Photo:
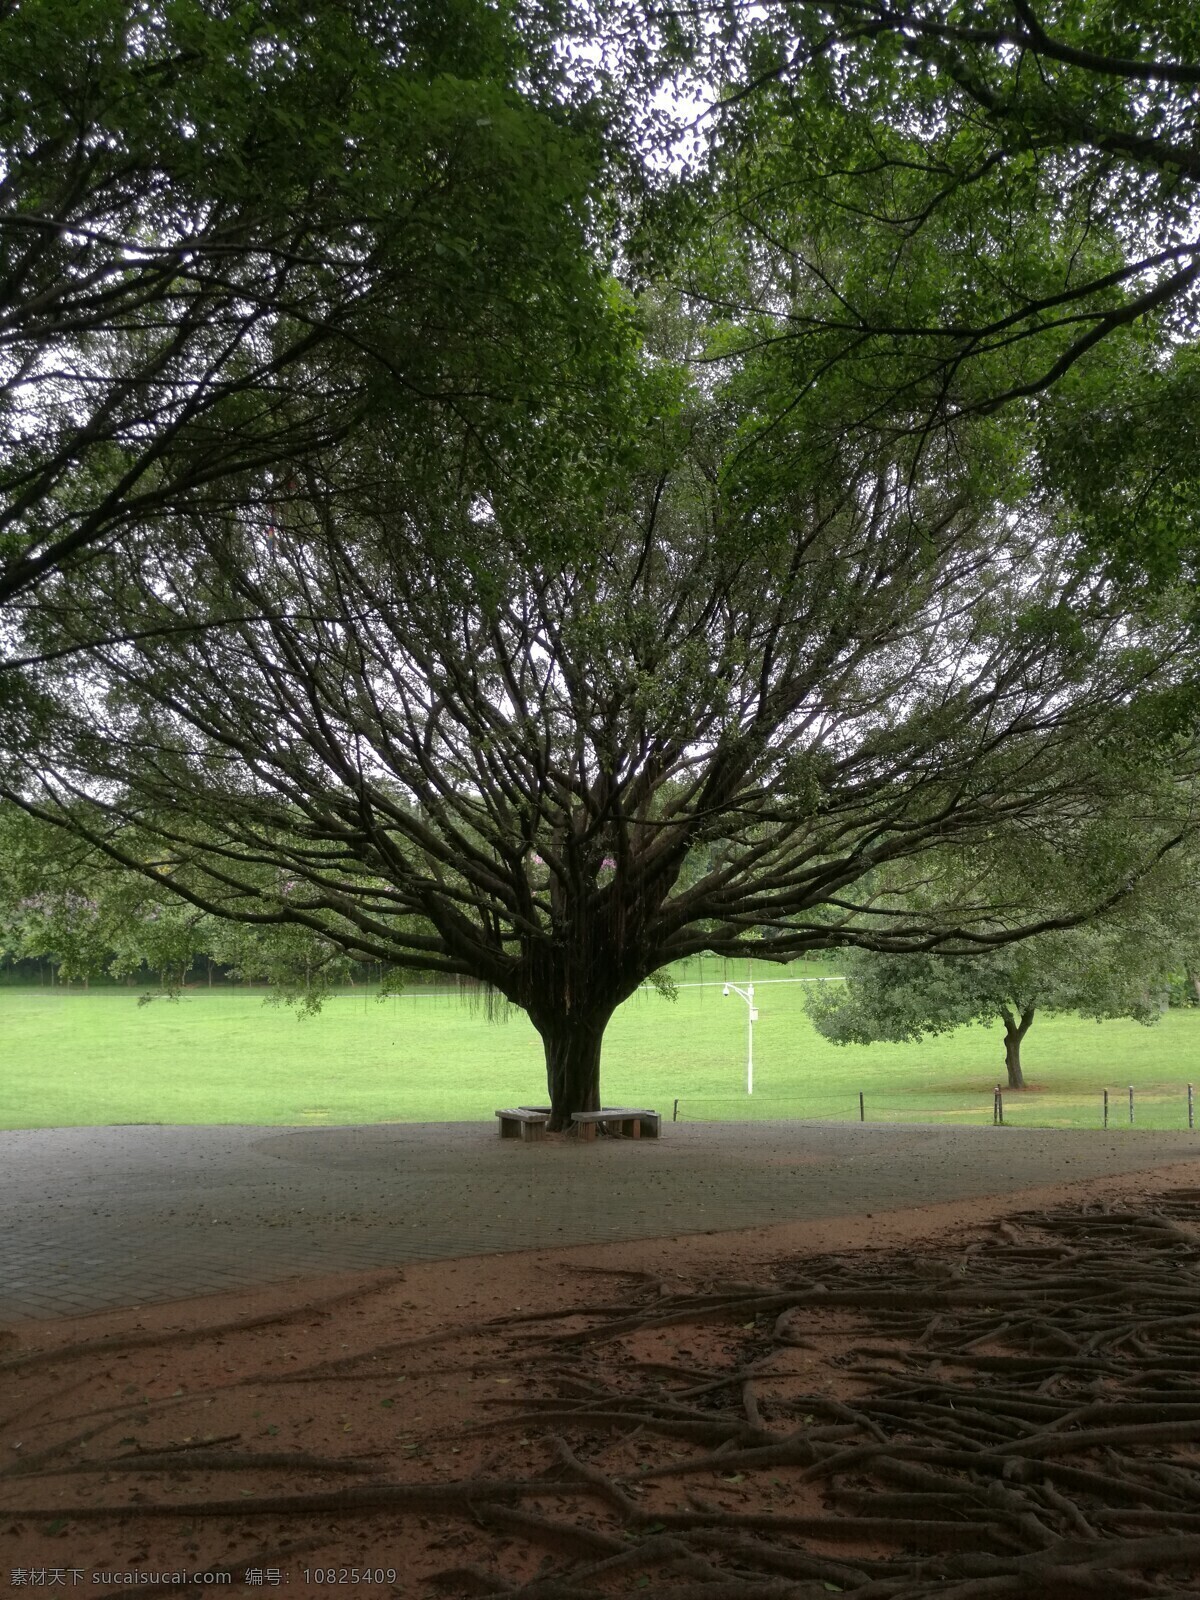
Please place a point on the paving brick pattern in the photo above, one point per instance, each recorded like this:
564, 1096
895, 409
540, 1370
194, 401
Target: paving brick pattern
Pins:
98, 1217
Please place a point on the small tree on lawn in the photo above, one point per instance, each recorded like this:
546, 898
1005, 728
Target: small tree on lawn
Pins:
1100, 972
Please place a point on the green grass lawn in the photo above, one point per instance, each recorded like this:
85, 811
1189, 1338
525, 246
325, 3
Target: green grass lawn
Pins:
221, 1055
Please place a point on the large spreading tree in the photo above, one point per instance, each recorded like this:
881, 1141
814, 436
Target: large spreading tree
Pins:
581, 634
452, 731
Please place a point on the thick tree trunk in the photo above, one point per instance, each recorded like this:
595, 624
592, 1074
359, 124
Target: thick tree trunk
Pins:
1015, 1029
573, 1068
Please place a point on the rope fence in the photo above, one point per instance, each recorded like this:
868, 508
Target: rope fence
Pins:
1158, 1109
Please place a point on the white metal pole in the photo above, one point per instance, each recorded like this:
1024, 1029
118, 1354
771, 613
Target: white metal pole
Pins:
746, 994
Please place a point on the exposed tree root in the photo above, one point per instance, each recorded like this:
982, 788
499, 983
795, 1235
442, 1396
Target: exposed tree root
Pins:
60, 1355
1014, 1420
202, 1460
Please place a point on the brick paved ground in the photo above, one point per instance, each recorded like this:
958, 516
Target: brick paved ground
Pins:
96, 1217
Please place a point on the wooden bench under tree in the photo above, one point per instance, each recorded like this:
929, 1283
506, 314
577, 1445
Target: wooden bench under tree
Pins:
623, 1120
524, 1122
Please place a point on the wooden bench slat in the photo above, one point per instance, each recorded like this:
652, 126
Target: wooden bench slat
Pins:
611, 1114
633, 1121
520, 1122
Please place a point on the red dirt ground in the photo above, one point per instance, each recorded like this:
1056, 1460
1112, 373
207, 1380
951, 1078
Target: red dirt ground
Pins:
324, 1387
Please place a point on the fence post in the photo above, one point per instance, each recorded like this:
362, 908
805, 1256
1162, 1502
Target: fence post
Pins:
1106, 1108
675, 1112
1191, 1117
1131, 1105
862, 1110
998, 1107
